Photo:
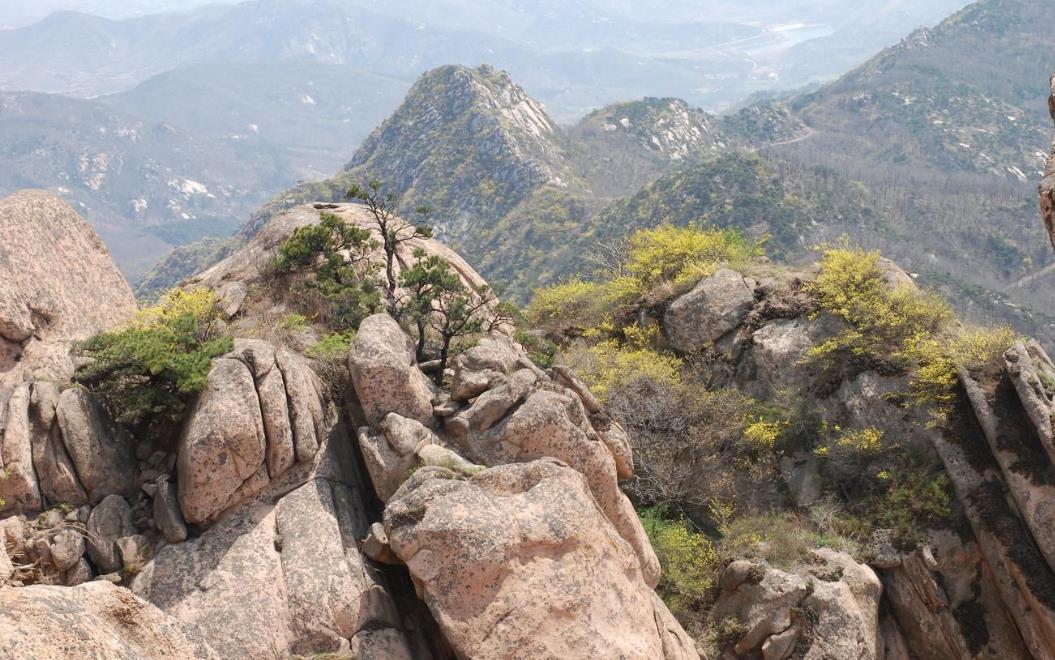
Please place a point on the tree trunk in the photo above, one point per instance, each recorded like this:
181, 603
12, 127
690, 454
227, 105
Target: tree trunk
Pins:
444, 353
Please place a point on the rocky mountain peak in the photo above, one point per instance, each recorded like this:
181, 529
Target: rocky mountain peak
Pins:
668, 126
469, 141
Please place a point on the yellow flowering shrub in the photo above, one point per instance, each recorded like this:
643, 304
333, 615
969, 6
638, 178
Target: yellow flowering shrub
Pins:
886, 323
689, 561
610, 365
573, 303
677, 256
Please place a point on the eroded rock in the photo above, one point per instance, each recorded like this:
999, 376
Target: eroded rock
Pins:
223, 443
715, 307
499, 560
385, 375
93, 620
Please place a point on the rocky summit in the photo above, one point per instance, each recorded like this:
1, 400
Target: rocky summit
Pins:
658, 385
388, 518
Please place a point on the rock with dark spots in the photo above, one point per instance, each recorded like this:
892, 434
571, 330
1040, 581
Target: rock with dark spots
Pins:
477, 368
494, 352
223, 442
567, 378
550, 424
714, 308
66, 549
307, 413
19, 488
292, 568
385, 375
135, 551
1014, 444
93, 620
109, 521
828, 606
260, 357
1032, 395
376, 547
102, 453
500, 558
945, 604
391, 455
167, 514
56, 473
618, 443
58, 285
466, 385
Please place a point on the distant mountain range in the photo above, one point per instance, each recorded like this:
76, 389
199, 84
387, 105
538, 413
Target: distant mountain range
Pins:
525, 199
573, 55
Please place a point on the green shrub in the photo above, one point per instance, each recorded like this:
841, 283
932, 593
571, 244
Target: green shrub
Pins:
679, 431
150, 370
573, 304
978, 350
331, 359
887, 324
336, 257
609, 365
334, 346
293, 321
689, 561
915, 499
542, 351
677, 256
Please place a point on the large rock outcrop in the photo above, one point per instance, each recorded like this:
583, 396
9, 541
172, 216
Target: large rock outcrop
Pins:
289, 560
497, 500
95, 620
826, 608
57, 285
261, 413
503, 557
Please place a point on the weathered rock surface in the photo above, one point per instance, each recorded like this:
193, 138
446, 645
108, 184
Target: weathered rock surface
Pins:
19, 488
261, 413
501, 559
94, 620
385, 374
828, 608
109, 521
715, 307
57, 285
223, 444
167, 514
102, 454
289, 560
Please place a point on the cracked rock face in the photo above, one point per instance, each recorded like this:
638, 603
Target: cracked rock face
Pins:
715, 307
503, 558
262, 412
286, 573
